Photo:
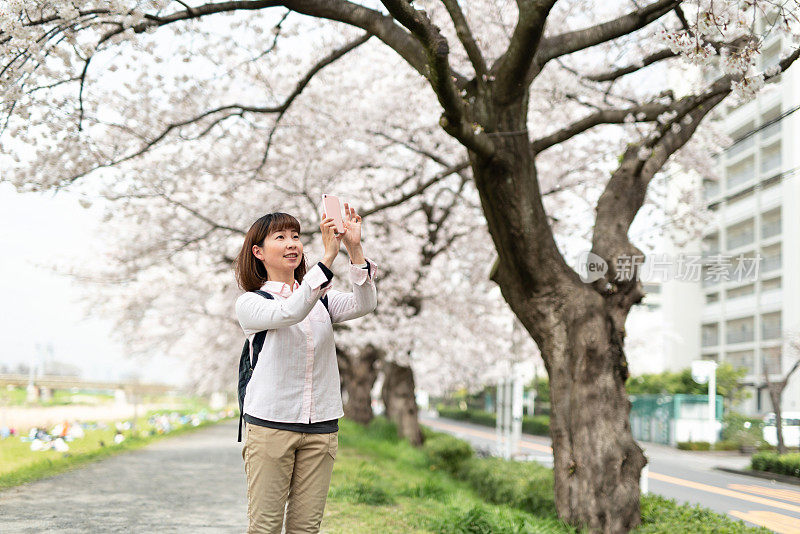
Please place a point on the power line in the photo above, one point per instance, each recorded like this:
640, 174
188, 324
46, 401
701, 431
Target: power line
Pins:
767, 124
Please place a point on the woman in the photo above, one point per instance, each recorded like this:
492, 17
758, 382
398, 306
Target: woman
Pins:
293, 400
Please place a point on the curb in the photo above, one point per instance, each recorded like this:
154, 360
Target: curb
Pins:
774, 477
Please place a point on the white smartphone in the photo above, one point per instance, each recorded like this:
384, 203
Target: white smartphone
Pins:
331, 208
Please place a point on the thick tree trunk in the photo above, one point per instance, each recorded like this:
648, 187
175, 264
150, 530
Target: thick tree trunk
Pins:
579, 331
358, 373
400, 401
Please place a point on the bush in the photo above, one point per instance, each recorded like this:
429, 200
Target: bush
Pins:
665, 516
447, 453
741, 430
727, 445
531, 424
694, 445
524, 485
786, 464
536, 424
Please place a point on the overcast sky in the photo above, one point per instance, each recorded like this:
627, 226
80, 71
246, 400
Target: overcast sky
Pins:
38, 306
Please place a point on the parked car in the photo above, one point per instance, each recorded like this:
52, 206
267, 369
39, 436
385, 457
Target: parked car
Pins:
790, 423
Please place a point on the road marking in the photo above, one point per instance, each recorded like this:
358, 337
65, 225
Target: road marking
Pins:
772, 520
775, 493
725, 492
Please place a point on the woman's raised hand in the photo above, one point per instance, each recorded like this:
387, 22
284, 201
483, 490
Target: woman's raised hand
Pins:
330, 240
352, 227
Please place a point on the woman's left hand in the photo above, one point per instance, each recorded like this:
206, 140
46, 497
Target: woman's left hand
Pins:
352, 224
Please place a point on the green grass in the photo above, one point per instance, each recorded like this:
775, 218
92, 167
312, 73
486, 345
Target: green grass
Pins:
19, 464
60, 397
384, 484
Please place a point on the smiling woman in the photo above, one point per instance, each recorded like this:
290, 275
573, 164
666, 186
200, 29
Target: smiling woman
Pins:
292, 398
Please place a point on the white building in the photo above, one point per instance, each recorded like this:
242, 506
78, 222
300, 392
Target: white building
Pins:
748, 320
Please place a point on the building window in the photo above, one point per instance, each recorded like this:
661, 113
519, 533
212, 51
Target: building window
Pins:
771, 158
773, 284
711, 188
741, 359
774, 128
771, 258
740, 234
771, 223
772, 360
711, 298
710, 335
769, 57
739, 330
771, 325
741, 172
711, 244
741, 142
741, 291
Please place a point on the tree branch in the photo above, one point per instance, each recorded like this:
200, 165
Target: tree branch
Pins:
511, 70
625, 191
372, 21
644, 113
454, 119
239, 110
622, 71
466, 38
324, 62
458, 167
569, 42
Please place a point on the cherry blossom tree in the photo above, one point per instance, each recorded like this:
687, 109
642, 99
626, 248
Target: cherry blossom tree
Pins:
520, 94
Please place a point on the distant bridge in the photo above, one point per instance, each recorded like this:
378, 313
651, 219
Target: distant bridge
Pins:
69, 382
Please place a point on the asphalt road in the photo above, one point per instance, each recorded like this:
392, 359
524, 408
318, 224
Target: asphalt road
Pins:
193, 482
686, 476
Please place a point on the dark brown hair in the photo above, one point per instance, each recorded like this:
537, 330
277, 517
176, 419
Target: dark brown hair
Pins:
250, 271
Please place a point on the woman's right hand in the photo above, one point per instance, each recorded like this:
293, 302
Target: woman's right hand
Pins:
330, 240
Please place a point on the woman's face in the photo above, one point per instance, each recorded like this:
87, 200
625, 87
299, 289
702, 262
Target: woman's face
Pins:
277, 251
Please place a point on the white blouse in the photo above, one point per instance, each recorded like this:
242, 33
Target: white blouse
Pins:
296, 379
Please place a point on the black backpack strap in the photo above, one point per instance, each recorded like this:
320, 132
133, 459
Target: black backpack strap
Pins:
258, 343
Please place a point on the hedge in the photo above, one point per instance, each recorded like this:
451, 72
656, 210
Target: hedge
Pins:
694, 445
785, 464
531, 424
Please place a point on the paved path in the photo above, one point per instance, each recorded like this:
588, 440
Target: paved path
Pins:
194, 482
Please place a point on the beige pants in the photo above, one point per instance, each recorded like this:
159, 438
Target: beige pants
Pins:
281, 465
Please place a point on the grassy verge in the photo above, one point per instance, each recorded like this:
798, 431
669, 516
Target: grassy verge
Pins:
384, 484
19, 464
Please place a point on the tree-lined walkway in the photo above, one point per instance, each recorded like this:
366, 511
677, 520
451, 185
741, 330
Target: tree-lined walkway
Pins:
194, 482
